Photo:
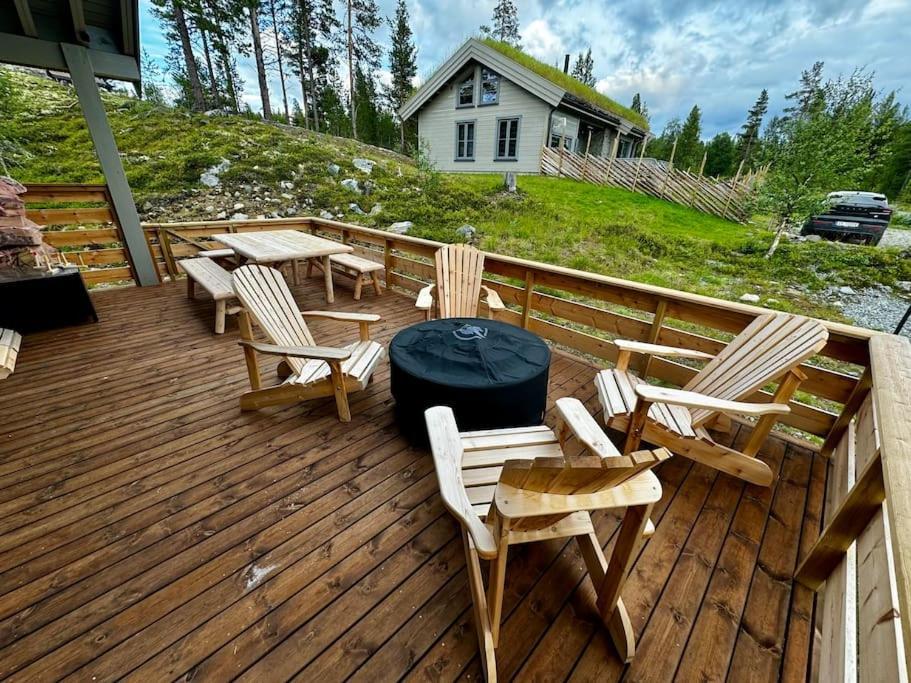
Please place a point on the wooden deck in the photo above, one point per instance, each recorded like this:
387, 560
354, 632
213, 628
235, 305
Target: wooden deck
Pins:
151, 531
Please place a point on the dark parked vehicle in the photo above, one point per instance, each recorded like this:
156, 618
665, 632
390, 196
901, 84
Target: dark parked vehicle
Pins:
852, 216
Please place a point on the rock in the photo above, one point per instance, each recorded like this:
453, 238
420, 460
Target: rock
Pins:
239, 217
210, 177
221, 215
210, 208
376, 209
287, 196
401, 227
771, 302
466, 232
845, 290
325, 214
286, 185
904, 284
367, 188
750, 298
238, 206
333, 169
813, 238
351, 185
357, 209
364, 165
147, 206
838, 304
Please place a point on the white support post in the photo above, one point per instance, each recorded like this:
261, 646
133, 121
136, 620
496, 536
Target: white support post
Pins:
79, 65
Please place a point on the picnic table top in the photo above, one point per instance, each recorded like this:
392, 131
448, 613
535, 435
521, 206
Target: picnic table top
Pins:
268, 246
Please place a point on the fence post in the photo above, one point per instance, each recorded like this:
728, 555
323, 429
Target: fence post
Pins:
529, 291
639, 165
698, 182
588, 144
670, 169
727, 202
610, 161
560, 165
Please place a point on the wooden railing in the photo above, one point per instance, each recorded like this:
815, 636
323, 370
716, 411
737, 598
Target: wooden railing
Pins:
864, 553
575, 309
97, 245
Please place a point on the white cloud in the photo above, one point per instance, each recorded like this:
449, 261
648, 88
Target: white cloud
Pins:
540, 41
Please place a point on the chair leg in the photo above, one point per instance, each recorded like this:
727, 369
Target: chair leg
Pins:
341, 393
481, 614
496, 585
221, 308
375, 276
621, 562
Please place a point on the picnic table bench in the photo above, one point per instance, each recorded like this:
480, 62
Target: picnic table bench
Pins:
362, 270
216, 281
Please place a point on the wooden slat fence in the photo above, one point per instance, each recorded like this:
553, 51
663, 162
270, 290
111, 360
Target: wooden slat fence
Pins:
727, 198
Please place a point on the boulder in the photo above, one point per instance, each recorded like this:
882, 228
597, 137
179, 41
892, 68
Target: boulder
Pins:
286, 185
326, 215
351, 185
239, 217
376, 209
466, 232
750, 298
221, 215
813, 238
845, 290
238, 206
210, 177
333, 169
363, 165
401, 227
357, 209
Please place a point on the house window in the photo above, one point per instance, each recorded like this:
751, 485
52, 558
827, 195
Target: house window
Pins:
465, 141
490, 87
567, 141
465, 97
507, 139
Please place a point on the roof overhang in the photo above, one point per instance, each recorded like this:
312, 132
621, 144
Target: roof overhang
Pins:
31, 32
475, 50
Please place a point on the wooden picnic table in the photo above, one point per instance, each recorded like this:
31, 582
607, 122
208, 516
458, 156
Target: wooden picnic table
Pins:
281, 246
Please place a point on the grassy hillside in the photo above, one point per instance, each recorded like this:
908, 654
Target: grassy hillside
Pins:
593, 228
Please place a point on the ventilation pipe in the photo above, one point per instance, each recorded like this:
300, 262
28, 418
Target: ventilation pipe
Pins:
566, 64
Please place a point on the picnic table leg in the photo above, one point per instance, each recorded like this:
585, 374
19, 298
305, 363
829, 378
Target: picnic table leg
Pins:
327, 272
295, 271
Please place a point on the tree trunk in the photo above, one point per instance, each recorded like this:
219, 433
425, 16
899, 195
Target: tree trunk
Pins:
301, 70
313, 101
351, 106
188, 58
260, 64
213, 84
781, 228
278, 55
229, 76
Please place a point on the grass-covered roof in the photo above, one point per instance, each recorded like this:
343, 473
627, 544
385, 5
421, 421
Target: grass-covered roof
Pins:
567, 82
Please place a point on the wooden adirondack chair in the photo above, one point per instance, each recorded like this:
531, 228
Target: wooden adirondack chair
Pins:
309, 371
460, 268
770, 349
509, 486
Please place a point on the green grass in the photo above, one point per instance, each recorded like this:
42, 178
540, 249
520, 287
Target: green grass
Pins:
567, 82
588, 227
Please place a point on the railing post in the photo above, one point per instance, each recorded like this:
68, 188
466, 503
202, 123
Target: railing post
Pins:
164, 241
387, 261
529, 291
653, 335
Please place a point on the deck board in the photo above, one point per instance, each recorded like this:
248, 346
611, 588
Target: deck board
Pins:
149, 530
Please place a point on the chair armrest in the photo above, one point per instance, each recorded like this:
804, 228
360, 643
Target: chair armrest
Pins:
424, 301
691, 399
659, 350
345, 317
326, 353
574, 417
494, 302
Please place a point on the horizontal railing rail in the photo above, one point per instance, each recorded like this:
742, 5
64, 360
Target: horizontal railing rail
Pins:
576, 309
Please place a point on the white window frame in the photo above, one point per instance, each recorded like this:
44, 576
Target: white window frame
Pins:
458, 94
496, 78
496, 138
474, 140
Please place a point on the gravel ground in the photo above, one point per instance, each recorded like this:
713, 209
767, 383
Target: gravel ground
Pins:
896, 238
876, 308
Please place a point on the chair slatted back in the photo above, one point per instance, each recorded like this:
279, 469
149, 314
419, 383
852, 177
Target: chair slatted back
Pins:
460, 268
767, 348
266, 297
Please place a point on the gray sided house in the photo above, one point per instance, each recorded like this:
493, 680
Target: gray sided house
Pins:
482, 111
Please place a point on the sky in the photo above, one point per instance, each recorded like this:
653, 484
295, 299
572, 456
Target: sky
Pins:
675, 53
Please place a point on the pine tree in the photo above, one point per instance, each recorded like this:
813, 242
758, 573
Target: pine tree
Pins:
313, 25
152, 90
172, 15
362, 18
276, 15
689, 145
505, 24
584, 67
253, 10
810, 93
639, 106
402, 62
749, 131
720, 155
